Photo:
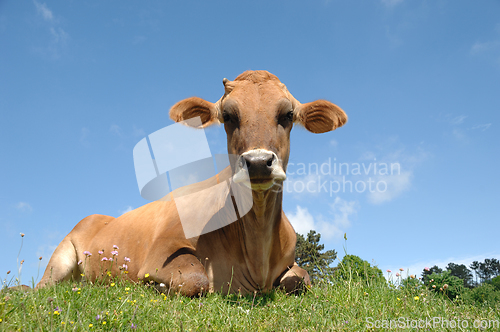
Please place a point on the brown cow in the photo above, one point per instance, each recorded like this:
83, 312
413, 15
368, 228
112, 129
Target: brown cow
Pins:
255, 253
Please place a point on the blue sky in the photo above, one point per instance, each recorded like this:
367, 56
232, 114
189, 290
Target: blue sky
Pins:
82, 83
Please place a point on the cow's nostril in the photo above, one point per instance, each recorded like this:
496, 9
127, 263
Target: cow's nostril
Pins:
270, 161
259, 163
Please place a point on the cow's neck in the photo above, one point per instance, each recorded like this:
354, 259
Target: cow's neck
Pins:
259, 229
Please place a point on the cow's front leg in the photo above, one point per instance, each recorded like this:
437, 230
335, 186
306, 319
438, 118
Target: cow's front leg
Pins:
294, 279
181, 273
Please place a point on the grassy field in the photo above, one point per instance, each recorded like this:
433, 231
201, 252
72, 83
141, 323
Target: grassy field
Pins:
332, 305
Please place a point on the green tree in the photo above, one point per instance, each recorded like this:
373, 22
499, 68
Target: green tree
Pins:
354, 267
446, 284
490, 268
309, 255
461, 271
483, 294
426, 273
496, 283
474, 266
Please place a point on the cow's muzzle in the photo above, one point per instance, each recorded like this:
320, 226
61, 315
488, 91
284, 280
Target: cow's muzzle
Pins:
262, 167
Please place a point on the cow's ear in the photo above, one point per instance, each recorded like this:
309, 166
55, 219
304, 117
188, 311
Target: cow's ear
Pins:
195, 107
320, 116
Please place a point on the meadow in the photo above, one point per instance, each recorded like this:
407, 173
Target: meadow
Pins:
331, 304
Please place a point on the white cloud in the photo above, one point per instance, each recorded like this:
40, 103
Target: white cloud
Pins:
368, 155
479, 48
128, 209
379, 174
391, 186
302, 221
45, 12
394, 170
482, 127
458, 126
59, 36
23, 206
115, 129
489, 50
458, 119
341, 210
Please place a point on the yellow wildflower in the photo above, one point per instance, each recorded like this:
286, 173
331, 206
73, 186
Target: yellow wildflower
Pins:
416, 298
112, 284
146, 275
90, 325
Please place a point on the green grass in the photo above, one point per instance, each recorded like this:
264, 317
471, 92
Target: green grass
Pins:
329, 306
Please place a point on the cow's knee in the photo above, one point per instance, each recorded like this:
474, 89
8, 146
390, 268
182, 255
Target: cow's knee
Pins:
185, 275
192, 284
295, 280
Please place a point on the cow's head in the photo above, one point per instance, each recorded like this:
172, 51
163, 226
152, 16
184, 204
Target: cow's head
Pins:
258, 113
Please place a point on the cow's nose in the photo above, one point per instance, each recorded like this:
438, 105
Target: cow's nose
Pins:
259, 163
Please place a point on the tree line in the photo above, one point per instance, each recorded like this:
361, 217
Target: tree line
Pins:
309, 255
484, 272
456, 281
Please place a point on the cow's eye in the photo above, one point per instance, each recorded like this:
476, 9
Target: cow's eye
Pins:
227, 117
286, 119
